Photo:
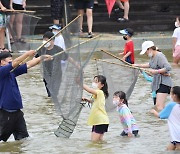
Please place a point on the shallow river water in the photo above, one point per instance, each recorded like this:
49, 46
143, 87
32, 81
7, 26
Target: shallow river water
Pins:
42, 120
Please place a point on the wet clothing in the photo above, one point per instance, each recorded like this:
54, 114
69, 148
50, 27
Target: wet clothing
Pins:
159, 61
11, 117
98, 113
172, 113
129, 47
126, 118
12, 123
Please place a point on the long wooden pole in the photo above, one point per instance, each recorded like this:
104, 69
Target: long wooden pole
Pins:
128, 64
18, 11
124, 65
59, 53
49, 40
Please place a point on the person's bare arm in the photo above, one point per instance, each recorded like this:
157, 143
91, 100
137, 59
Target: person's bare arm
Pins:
2, 7
141, 65
16, 62
156, 114
90, 90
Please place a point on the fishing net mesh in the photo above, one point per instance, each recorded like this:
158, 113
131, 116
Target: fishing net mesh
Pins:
120, 77
19, 39
66, 86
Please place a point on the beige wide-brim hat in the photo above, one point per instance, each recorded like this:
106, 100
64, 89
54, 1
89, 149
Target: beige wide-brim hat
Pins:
145, 46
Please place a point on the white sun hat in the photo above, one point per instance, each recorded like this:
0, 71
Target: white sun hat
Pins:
145, 46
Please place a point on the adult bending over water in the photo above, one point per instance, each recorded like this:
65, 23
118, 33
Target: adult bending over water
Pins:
160, 68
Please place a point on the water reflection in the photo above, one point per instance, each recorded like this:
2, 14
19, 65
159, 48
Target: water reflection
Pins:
42, 121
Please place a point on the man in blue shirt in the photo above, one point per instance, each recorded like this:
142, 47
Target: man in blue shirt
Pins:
11, 116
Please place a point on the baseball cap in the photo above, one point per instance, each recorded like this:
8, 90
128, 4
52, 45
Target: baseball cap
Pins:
4, 55
56, 26
145, 46
127, 31
48, 35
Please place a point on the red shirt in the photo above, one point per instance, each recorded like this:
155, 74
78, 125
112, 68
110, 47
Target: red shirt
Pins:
129, 47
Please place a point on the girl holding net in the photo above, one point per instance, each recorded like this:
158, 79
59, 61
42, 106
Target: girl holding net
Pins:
98, 117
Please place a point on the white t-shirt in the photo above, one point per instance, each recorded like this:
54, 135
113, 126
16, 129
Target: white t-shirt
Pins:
59, 41
176, 34
172, 113
18, 2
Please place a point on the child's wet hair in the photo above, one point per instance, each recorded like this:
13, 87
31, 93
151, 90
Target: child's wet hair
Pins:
121, 95
176, 91
102, 79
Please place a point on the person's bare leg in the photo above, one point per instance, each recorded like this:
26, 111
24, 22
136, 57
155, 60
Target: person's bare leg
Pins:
160, 100
2, 37
12, 17
18, 20
101, 137
81, 12
176, 60
89, 13
177, 146
95, 137
126, 10
55, 21
171, 147
120, 4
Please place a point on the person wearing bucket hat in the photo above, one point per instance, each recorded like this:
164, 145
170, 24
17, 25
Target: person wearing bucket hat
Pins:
128, 54
11, 117
59, 40
160, 69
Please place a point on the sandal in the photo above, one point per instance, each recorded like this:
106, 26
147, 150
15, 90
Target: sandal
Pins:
5, 50
123, 19
21, 40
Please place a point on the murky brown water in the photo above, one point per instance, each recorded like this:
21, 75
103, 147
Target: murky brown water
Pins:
42, 121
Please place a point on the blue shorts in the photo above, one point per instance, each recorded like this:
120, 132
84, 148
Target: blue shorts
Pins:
84, 4
100, 129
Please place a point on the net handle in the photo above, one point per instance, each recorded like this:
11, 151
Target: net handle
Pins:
42, 45
76, 45
128, 64
18, 11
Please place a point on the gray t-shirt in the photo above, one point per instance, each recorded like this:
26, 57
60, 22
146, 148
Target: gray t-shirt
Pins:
159, 61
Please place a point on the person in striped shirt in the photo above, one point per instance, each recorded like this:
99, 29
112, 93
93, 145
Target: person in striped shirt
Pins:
126, 118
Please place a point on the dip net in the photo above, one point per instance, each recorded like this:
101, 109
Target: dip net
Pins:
20, 29
120, 76
66, 86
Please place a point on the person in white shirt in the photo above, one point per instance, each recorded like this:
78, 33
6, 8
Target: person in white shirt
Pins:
59, 41
176, 42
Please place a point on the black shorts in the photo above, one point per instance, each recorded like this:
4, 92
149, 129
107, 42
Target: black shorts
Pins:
12, 123
164, 89
17, 7
100, 129
84, 4
135, 132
